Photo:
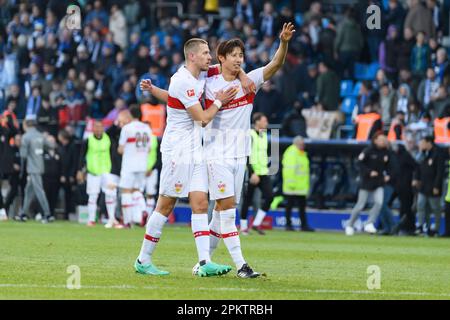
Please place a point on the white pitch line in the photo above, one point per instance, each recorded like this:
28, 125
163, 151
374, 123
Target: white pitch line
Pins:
318, 291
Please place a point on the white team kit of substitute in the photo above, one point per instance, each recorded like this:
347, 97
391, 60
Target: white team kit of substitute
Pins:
136, 139
227, 141
183, 166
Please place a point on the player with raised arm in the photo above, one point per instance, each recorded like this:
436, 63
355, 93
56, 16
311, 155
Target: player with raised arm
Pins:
227, 141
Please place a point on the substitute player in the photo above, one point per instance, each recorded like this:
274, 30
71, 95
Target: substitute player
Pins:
183, 170
228, 142
96, 160
134, 145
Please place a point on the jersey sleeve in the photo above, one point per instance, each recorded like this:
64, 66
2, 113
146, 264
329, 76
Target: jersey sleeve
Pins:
123, 137
186, 93
257, 76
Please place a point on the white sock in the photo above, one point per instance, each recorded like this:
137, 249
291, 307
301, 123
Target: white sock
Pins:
214, 232
230, 236
127, 207
152, 235
92, 207
200, 229
139, 206
244, 224
259, 218
111, 204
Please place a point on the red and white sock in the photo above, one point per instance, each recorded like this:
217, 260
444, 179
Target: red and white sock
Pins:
127, 207
200, 229
92, 207
259, 218
214, 232
111, 204
153, 231
230, 236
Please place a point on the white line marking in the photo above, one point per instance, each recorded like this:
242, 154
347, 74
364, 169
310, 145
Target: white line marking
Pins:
319, 291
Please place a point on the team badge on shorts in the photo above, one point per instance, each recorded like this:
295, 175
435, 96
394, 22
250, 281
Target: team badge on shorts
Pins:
221, 187
178, 187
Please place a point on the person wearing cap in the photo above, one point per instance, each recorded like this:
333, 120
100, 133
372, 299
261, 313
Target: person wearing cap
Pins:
32, 149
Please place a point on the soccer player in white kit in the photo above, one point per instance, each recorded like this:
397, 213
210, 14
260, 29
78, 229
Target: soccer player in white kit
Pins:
183, 170
228, 143
134, 145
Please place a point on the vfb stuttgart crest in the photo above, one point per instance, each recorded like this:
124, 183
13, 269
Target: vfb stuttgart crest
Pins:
222, 187
178, 187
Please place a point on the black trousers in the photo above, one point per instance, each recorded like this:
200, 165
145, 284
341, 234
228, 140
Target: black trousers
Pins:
69, 202
291, 202
15, 183
407, 216
51, 188
447, 219
266, 188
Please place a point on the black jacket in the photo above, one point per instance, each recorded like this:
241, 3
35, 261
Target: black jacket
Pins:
6, 151
69, 160
430, 171
406, 166
48, 119
116, 159
374, 159
52, 164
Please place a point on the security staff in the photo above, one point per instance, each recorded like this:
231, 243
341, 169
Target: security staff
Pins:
447, 206
258, 169
442, 130
296, 181
374, 163
428, 180
397, 128
367, 124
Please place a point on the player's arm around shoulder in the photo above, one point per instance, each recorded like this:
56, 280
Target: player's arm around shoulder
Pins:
280, 56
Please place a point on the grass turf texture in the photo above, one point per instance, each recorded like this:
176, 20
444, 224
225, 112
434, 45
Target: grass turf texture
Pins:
34, 260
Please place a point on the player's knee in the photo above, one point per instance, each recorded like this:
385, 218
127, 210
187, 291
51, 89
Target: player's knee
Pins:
93, 198
200, 207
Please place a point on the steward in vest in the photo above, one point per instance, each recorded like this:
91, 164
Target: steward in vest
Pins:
96, 160
367, 124
258, 169
442, 130
396, 131
296, 186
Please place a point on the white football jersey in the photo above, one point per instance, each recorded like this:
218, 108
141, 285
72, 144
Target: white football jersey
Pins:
182, 135
227, 136
136, 139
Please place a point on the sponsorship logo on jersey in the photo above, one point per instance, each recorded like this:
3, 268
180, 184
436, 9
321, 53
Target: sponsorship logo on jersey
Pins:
178, 187
191, 93
222, 186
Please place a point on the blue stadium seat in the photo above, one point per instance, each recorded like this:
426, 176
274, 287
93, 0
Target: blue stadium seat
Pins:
348, 105
360, 70
356, 89
346, 88
366, 71
372, 70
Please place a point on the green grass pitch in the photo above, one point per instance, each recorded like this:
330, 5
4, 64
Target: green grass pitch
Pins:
34, 259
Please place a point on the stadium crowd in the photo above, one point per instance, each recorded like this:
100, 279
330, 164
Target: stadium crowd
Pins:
65, 78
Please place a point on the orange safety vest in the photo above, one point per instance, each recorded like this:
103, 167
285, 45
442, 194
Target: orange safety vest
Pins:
4, 123
155, 115
365, 123
391, 135
441, 131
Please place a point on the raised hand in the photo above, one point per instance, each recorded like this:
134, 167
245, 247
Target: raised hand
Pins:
146, 85
287, 32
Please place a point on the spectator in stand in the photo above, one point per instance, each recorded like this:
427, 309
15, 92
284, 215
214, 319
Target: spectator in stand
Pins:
420, 56
440, 103
441, 63
419, 19
387, 103
48, 118
403, 98
395, 14
348, 43
294, 123
268, 24
34, 102
388, 52
428, 89
403, 61
269, 101
118, 26
414, 111
327, 87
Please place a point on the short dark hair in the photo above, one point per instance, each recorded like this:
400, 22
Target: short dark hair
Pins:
429, 139
227, 47
64, 134
257, 116
135, 111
